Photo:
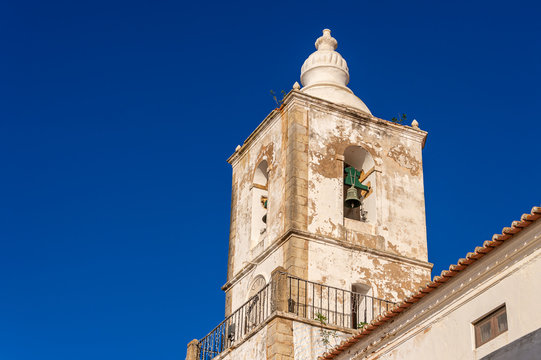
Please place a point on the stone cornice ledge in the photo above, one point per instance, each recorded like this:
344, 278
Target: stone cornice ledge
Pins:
309, 100
259, 130
322, 239
339, 242
359, 116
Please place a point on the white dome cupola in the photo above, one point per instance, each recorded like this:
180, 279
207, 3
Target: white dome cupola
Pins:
325, 74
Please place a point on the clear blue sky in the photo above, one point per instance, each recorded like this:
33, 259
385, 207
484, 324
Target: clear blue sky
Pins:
113, 245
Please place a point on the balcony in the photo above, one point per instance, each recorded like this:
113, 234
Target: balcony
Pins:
328, 305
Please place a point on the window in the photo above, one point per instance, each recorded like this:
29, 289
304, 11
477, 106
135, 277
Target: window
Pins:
361, 305
490, 326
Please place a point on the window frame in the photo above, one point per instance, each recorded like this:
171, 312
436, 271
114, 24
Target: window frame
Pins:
491, 318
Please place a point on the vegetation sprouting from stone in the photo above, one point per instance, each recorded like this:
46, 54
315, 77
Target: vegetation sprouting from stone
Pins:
400, 119
278, 102
326, 335
361, 325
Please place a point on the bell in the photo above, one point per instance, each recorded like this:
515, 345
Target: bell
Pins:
352, 199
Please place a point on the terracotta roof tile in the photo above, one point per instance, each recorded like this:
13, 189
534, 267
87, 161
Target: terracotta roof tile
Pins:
404, 305
448, 273
483, 249
490, 243
464, 262
500, 237
511, 230
474, 255
480, 251
521, 224
457, 267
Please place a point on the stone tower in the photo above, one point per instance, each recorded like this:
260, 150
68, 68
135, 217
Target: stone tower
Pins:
289, 216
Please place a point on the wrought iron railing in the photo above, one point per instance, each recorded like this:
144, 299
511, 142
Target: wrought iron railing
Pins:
326, 304
331, 305
237, 325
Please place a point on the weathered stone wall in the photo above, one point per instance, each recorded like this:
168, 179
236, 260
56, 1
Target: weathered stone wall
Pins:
265, 144
296, 190
282, 140
265, 268
398, 188
280, 339
267, 147
391, 279
285, 339
253, 348
311, 341
304, 144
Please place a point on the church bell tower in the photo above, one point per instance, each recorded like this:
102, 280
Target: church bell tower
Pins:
331, 198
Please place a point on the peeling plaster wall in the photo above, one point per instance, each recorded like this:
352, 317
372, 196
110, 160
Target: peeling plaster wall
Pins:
241, 288
341, 267
253, 349
442, 322
398, 185
267, 147
397, 200
243, 248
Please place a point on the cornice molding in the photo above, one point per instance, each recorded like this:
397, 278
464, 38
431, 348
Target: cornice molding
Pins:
321, 239
357, 116
296, 97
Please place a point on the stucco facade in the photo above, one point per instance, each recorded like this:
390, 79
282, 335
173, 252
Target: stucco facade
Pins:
387, 252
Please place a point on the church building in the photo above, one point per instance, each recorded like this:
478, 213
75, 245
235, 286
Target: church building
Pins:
328, 247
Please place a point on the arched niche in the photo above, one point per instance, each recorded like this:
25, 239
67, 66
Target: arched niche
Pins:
256, 285
361, 160
256, 301
259, 195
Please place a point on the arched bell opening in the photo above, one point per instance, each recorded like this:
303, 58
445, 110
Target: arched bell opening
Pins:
359, 181
260, 196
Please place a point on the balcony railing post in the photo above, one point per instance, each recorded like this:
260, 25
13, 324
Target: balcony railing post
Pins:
193, 350
279, 295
